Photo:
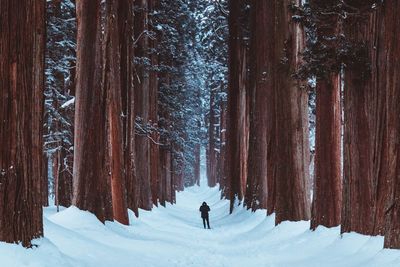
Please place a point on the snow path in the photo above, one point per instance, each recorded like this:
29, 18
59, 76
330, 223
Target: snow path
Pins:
174, 236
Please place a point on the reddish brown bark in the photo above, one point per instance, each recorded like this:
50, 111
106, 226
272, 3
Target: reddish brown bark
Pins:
153, 112
327, 191
64, 196
392, 63
127, 72
292, 145
92, 189
22, 43
211, 153
142, 103
365, 184
237, 123
261, 89
115, 36
327, 179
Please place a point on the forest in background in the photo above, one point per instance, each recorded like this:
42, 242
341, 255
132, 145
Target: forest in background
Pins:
106, 105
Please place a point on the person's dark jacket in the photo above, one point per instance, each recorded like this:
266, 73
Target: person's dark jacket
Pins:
204, 209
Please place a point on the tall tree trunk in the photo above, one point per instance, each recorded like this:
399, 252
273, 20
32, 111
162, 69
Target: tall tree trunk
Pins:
392, 63
126, 33
327, 191
142, 104
22, 43
261, 90
292, 151
113, 88
365, 186
211, 162
92, 189
153, 105
237, 126
327, 179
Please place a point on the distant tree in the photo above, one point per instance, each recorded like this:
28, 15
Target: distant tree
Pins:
59, 99
22, 46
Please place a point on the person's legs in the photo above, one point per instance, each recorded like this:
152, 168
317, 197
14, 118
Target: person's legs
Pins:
208, 223
204, 222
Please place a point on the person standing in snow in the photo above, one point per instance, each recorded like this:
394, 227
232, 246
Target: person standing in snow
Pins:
204, 209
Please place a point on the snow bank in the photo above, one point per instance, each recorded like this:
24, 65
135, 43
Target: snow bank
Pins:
173, 236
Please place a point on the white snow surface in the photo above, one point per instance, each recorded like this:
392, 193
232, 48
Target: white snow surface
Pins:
174, 236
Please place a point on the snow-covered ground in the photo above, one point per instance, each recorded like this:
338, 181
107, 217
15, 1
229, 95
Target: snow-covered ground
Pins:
174, 236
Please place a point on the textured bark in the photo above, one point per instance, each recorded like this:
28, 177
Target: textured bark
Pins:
153, 112
292, 151
261, 89
22, 43
211, 153
327, 179
91, 185
222, 155
64, 196
365, 182
127, 72
327, 191
113, 87
392, 63
237, 126
44, 187
142, 105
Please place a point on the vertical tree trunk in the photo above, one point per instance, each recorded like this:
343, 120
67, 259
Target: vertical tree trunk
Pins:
392, 63
92, 189
22, 43
237, 127
126, 33
365, 186
196, 164
113, 88
327, 191
261, 90
211, 162
292, 151
153, 112
327, 180
64, 179
142, 104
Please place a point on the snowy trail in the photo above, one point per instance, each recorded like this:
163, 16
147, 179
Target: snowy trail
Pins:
174, 236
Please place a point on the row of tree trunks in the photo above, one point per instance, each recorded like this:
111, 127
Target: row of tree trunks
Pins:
237, 119
365, 185
22, 43
126, 30
278, 155
327, 191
